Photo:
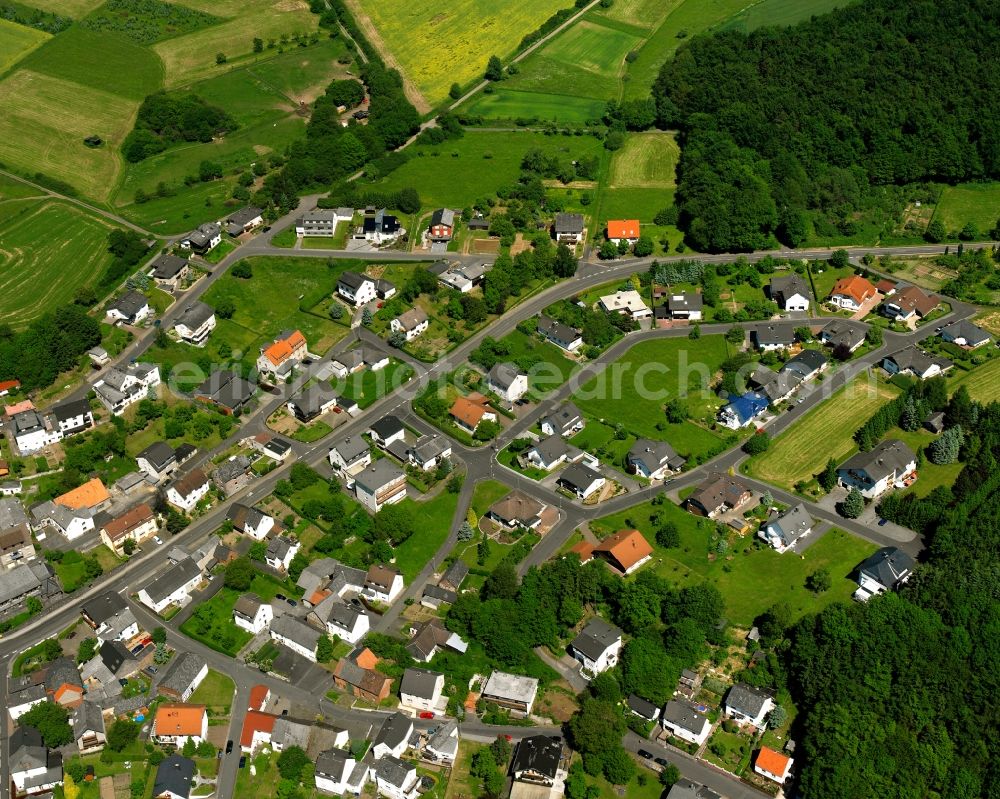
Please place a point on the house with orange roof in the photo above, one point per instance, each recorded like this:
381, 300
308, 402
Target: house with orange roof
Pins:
851, 292
773, 765
72, 514
626, 550
620, 230
6, 386
259, 695
282, 355
92, 495
175, 724
584, 550
469, 411
19, 407
257, 730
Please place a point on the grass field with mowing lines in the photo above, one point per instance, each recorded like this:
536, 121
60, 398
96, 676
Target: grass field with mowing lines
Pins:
46, 121
483, 162
780, 12
641, 204
643, 13
969, 202
76, 9
794, 455
440, 44
11, 189
47, 251
646, 161
983, 382
511, 104
16, 41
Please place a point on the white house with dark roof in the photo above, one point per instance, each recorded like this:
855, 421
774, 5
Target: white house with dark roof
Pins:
428, 451
507, 381
421, 690
965, 334
773, 336
396, 779
158, 461
411, 323
536, 764
195, 323
580, 479
171, 587
566, 421
843, 333
783, 531
169, 271
383, 583
393, 737
355, 288
294, 633
188, 490
250, 521
682, 719
337, 772
653, 460
322, 221
183, 676
563, 336
131, 308
442, 744
72, 417
597, 646
204, 238
244, 220
119, 388
685, 305
747, 704
915, 363
884, 570
349, 456
791, 293
280, 551
344, 620
380, 484
88, 728
31, 432
568, 228
252, 614
34, 769
888, 465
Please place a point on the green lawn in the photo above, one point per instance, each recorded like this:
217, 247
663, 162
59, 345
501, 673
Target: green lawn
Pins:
508, 103
600, 439
16, 41
633, 390
969, 202
646, 160
486, 493
434, 521
823, 280
547, 367
219, 632
367, 386
633, 203
983, 382
751, 579
216, 691
795, 456
929, 475
314, 431
780, 13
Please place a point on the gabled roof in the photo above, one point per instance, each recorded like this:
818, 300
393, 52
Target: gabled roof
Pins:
166, 267
538, 753
626, 547
387, 426
128, 521
841, 332
788, 286
174, 775
295, 630
281, 349
553, 329
717, 489
420, 683
686, 789
855, 287
643, 707
178, 719
232, 468
964, 329
354, 280
792, 524
88, 718
806, 362
244, 516
351, 448
684, 715
247, 605
71, 409
469, 412
226, 388
104, 607
517, 507
380, 473
182, 672
747, 406
190, 482
888, 566
623, 228
747, 699
412, 318
195, 315
569, 223
596, 638
395, 730
130, 303
914, 299
655, 454
579, 475
443, 216
917, 361
394, 771
381, 576
256, 721
159, 455
89, 495
888, 457
504, 374
772, 762
552, 448
776, 333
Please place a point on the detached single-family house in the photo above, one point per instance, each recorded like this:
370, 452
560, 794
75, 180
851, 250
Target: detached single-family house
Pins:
841, 333
381, 227
455, 575
88, 728
349, 456
172, 587
563, 336
72, 417
514, 692
227, 391
686, 305
252, 614
169, 271
909, 303
175, 725
131, 308
34, 769
157, 461
383, 583
110, 617
183, 676
626, 551
120, 388
515, 510
884, 570
507, 381
620, 230
806, 365
773, 765
277, 449
469, 412
283, 354
549, 453
250, 521
536, 762
233, 475
654, 460
338, 773
717, 494
15, 534
775, 336
203, 239
464, 277
244, 220
566, 421
393, 737
280, 551
890, 464
411, 323
396, 779
642, 708
174, 778
136, 524
916, 363
442, 744
322, 221
421, 690
387, 431
355, 288
597, 646
791, 293
627, 303
294, 633
31, 432
196, 323
442, 226
742, 411
965, 334
748, 704
344, 620
783, 531
580, 479
314, 401
428, 451
851, 292
682, 719
568, 228
187, 491
356, 672
380, 484
430, 637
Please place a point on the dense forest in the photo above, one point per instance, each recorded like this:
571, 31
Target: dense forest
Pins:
50, 345
782, 123
167, 118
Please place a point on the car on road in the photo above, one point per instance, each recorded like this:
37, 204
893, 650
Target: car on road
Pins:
157, 540
280, 596
265, 229
883, 522
645, 755
229, 746
661, 761
426, 714
292, 602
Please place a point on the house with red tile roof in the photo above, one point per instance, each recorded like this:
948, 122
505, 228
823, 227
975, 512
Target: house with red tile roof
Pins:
773, 765
850, 293
620, 230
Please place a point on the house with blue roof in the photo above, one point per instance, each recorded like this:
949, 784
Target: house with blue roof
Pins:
743, 410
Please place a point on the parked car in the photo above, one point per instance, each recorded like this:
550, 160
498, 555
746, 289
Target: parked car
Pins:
661, 761
280, 596
292, 602
645, 755
243, 761
157, 540
229, 746
426, 714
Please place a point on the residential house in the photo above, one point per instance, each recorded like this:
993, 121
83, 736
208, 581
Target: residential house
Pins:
386, 431
915, 363
349, 456
381, 228
356, 673
910, 303
717, 494
88, 728
884, 570
283, 354
169, 271
887, 287
682, 719
806, 364
203, 239
174, 778
252, 614
277, 449
196, 323
27, 580
393, 737
34, 769
131, 308
383, 584
434, 596
183, 677
337, 772
15, 534
627, 303
507, 381
257, 730
411, 323
581, 480
568, 228
72, 417
851, 292
6, 386
380, 484
30, 431
171, 587
743, 410
227, 391
748, 704
244, 220
24, 692
537, 760
120, 388
98, 356
469, 412
889, 464
158, 460
176, 724
549, 453
563, 336
791, 293
442, 744
422, 690
514, 692
566, 421
430, 637
479, 222
63, 683
322, 221
428, 451
72, 514
233, 475
250, 521
442, 226
627, 551
843, 334
642, 708
774, 336
653, 460
784, 530
136, 524
116, 658
965, 334
464, 277
188, 490
312, 402
110, 617
280, 551
597, 646
455, 575
686, 305
515, 510
326, 576
396, 779
773, 765
296, 635
686, 789
620, 230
